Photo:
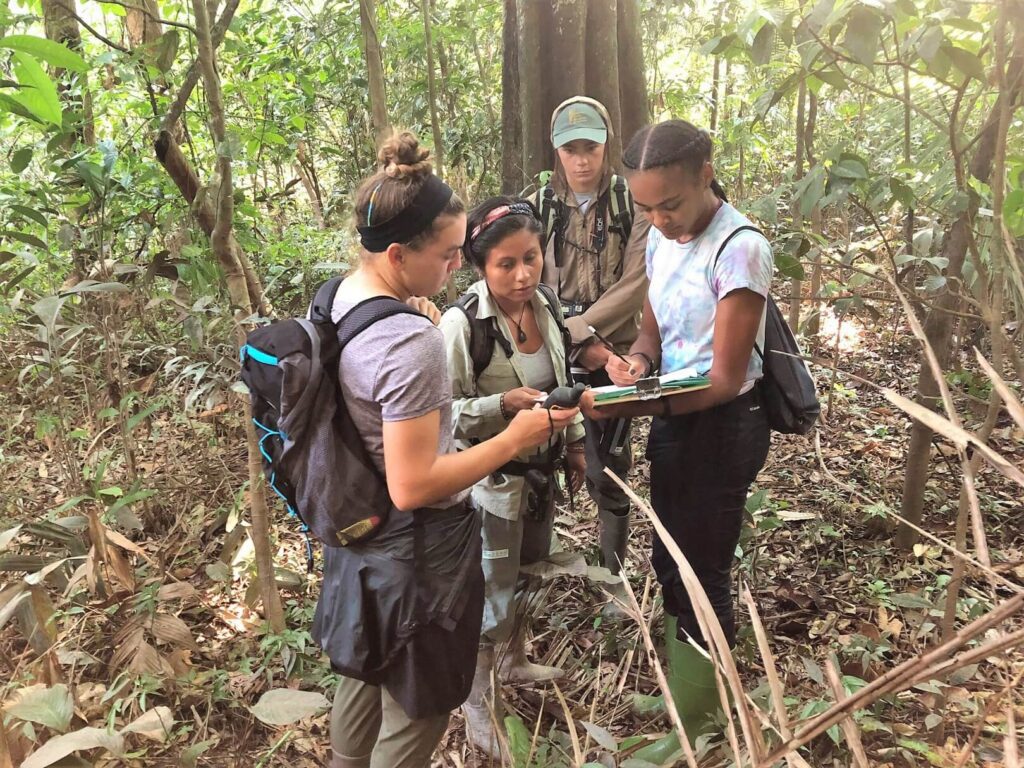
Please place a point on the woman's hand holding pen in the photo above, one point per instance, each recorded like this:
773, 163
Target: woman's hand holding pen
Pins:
625, 372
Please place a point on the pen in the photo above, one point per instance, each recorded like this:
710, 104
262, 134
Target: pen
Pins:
611, 349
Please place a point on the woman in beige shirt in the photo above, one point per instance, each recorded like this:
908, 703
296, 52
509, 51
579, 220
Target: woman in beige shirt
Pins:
528, 359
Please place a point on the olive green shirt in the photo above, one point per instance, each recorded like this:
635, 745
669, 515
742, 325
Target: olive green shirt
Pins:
476, 410
615, 280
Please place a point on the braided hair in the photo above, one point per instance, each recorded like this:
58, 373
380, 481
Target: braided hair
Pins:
672, 142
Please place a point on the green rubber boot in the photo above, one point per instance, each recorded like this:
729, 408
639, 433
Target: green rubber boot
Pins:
691, 679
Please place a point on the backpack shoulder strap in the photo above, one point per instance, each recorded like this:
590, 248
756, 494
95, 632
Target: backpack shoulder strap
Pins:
549, 293
555, 309
721, 249
366, 313
483, 334
548, 209
730, 236
622, 206
323, 301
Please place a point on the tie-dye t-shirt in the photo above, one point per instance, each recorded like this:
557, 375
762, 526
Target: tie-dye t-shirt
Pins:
684, 293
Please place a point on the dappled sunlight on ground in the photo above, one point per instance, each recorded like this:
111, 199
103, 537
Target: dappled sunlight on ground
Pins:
850, 332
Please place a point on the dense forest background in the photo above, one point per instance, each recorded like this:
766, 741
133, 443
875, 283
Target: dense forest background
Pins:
176, 172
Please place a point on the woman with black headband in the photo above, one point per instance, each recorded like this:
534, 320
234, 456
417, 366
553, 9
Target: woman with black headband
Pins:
526, 358
399, 615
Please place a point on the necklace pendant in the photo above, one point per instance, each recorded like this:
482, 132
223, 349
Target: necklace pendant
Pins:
522, 336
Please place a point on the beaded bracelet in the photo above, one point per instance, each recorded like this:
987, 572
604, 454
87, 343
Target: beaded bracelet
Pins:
501, 407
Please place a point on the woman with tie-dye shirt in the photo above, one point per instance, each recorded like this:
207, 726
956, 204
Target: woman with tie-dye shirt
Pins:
705, 310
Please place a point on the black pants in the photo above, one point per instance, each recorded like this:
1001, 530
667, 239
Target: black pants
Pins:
702, 465
607, 450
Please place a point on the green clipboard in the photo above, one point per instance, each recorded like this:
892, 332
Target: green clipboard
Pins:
651, 388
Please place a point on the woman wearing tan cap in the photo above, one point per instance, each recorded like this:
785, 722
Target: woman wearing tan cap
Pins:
594, 259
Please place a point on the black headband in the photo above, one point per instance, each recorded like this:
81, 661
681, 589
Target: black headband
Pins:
412, 220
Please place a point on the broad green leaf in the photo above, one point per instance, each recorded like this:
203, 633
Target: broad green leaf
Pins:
965, 61
519, 741
964, 23
189, 757
907, 600
833, 76
10, 284
817, 18
928, 44
788, 265
901, 191
717, 45
9, 104
21, 159
849, 168
50, 51
51, 707
92, 175
166, 49
939, 65
862, 30
1013, 212
284, 706
23, 237
761, 48
38, 94
602, 737
810, 189
139, 417
47, 309
28, 213
92, 286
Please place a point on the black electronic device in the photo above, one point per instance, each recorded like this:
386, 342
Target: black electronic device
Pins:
565, 397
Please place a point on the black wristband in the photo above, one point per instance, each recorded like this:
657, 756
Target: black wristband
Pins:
650, 362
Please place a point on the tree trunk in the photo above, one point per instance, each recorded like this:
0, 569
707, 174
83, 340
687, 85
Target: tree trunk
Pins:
513, 180
813, 324
432, 90
602, 69
142, 21
533, 23
938, 324
374, 70
716, 75
222, 243
635, 109
796, 284
61, 26
303, 169
577, 48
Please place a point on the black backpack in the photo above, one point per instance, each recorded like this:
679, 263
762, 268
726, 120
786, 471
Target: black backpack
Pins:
790, 400
617, 201
484, 332
313, 455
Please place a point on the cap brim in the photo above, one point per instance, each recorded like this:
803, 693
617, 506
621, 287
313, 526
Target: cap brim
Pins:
589, 134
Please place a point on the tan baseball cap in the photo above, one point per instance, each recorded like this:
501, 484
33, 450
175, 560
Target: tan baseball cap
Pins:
578, 118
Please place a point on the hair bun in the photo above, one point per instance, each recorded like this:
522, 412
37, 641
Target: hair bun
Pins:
401, 157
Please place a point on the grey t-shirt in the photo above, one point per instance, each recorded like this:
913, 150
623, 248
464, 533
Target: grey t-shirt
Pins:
393, 371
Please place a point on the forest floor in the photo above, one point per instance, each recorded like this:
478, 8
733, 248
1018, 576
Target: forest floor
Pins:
176, 626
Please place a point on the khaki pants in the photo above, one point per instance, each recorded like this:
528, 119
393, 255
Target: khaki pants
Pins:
369, 727
508, 544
